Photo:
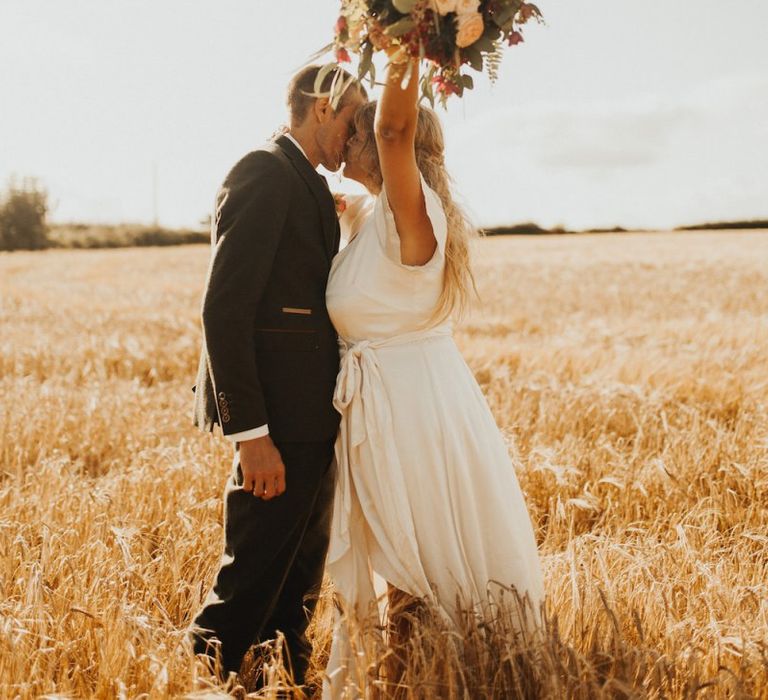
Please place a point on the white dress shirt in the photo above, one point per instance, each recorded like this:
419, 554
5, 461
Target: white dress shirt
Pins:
288, 135
262, 430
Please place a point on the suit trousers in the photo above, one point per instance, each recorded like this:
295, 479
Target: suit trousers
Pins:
272, 567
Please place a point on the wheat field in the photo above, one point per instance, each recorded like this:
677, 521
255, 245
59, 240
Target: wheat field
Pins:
630, 373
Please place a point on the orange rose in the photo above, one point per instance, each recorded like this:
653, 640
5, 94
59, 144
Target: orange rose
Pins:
470, 29
466, 7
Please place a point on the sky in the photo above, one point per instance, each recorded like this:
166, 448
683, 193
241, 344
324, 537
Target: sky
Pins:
645, 115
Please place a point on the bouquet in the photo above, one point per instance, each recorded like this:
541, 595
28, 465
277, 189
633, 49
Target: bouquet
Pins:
447, 34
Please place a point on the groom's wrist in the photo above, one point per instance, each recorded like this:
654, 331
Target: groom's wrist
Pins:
251, 434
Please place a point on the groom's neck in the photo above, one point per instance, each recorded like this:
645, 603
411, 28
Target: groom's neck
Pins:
307, 142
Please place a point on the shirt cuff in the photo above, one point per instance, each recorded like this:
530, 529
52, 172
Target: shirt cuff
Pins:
252, 434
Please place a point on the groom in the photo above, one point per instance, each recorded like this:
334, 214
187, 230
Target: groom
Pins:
267, 375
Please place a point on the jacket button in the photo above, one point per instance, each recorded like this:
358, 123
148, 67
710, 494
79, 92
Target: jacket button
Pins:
222, 395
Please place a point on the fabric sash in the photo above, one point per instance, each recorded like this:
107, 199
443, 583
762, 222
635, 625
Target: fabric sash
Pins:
366, 414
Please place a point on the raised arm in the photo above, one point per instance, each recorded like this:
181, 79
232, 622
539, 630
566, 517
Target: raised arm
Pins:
395, 129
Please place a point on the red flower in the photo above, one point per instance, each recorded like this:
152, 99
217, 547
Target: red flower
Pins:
342, 55
515, 38
341, 203
341, 25
445, 86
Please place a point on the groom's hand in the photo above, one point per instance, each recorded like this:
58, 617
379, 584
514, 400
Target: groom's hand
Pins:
262, 467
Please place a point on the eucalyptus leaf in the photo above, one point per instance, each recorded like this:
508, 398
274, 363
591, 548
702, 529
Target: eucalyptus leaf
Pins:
507, 13
321, 75
467, 82
404, 6
401, 27
339, 88
366, 61
336, 91
484, 43
474, 56
319, 54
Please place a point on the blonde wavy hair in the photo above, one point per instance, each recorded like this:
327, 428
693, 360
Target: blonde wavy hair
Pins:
458, 281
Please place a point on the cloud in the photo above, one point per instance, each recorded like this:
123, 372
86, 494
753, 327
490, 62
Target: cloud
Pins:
596, 139
592, 136
645, 162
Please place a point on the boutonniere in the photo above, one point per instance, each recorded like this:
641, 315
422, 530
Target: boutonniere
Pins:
340, 202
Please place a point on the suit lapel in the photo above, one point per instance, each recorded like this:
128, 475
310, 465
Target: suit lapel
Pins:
319, 189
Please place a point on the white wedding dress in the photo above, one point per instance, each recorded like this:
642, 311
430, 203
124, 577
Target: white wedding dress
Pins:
427, 496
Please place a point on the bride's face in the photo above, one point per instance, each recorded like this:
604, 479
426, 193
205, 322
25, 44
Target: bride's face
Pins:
359, 163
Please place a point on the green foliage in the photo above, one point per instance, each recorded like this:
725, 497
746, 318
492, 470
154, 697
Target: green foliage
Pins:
23, 211
754, 224
444, 36
493, 62
404, 6
401, 27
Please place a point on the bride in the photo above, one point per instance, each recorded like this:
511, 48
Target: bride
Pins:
427, 497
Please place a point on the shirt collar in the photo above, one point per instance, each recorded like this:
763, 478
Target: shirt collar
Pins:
288, 135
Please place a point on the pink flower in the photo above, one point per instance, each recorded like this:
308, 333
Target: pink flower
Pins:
444, 86
515, 38
341, 25
342, 55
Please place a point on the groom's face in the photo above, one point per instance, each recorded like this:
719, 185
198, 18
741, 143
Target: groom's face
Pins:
334, 130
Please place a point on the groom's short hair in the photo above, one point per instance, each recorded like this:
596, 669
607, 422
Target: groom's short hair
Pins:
301, 89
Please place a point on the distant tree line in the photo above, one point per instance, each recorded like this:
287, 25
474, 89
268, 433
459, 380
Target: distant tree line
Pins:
532, 229
24, 226
23, 212
723, 225
24, 209
122, 236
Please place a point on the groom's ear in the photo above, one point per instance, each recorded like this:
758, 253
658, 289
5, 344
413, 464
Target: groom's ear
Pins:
322, 109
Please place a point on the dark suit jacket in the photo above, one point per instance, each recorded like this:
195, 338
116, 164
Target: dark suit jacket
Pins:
270, 354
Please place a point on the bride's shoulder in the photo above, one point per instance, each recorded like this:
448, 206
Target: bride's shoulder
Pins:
390, 237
